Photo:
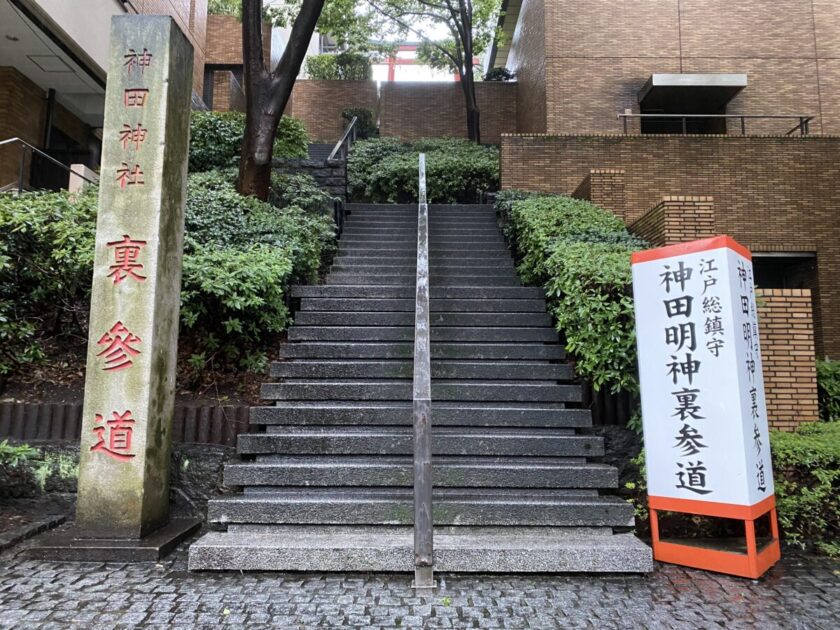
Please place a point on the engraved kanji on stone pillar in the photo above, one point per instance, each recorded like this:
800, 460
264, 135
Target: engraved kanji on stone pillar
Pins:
130, 378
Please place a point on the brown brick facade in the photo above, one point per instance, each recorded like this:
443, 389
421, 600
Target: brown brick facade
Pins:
319, 105
676, 219
24, 107
406, 110
591, 58
787, 354
604, 187
772, 194
191, 17
224, 41
433, 110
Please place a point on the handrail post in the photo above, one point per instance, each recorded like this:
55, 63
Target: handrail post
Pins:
22, 167
422, 402
743, 126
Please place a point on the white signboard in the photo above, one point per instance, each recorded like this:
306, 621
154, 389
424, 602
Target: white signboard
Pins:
703, 408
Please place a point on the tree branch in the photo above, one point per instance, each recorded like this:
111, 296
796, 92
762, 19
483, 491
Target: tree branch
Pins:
419, 34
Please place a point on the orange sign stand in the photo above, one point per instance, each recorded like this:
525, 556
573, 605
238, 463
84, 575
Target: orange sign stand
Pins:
701, 554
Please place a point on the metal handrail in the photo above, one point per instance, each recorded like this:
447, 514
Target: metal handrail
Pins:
803, 125
422, 401
351, 129
34, 149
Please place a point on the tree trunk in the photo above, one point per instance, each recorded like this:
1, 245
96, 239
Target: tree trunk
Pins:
473, 113
267, 93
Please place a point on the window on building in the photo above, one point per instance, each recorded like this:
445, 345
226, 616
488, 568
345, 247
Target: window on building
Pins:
688, 103
785, 271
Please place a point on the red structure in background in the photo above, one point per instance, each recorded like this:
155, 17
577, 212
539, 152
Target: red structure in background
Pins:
394, 61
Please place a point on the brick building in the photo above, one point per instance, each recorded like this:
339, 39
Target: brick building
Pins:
769, 182
581, 64
53, 60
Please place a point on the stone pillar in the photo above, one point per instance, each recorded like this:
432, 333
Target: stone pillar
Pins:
80, 178
130, 378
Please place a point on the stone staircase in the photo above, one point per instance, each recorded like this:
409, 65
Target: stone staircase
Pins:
329, 484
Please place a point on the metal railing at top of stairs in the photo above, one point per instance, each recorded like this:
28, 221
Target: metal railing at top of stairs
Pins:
24, 147
346, 141
422, 402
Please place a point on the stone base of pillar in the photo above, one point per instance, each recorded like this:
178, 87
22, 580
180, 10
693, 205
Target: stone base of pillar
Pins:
67, 544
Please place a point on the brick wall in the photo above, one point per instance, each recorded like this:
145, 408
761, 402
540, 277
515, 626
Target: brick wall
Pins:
772, 194
22, 104
429, 110
605, 188
319, 105
676, 219
527, 60
191, 16
224, 41
591, 58
787, 354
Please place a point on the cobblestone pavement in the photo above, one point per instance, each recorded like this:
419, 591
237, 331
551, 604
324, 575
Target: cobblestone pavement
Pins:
801, 592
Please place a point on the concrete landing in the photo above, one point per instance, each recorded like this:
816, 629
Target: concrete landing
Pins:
390, 549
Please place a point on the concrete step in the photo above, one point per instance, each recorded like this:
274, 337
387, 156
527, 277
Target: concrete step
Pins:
398, 471
400, 267
391, 549
384, 278
404, 350
361, 318
438, 333
352, 229
438, 306
468, 391
410, 258
472, 293
541, 415
401, 236
487, 442
506, 370
480, 507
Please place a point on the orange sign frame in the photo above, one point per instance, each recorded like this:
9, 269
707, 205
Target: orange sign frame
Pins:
752, 564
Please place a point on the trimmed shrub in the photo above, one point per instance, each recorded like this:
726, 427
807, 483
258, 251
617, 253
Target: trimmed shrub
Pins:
499, 74
580, 254
301, 190
457, 171
828, 383
807, 478
240, 256
216, 139
46, 257
343, 66
365, 125
806, 471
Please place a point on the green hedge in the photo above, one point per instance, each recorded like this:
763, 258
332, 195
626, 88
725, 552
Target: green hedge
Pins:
580, 254
365, 123
46, 257
384, 170
806, 472
240, 256
807, 479
216, 139
828, 382
344, 66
